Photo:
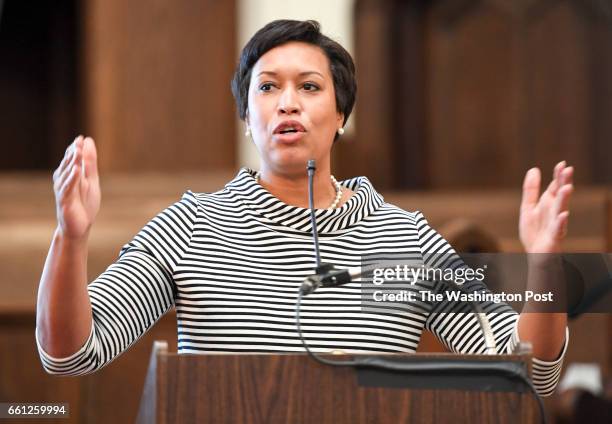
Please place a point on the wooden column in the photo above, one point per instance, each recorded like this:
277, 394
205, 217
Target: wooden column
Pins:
156, 83
370, 151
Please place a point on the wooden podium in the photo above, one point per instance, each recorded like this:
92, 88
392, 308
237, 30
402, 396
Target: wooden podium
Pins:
293, 388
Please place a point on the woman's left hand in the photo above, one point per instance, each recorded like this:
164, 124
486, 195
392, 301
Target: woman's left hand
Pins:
543, 219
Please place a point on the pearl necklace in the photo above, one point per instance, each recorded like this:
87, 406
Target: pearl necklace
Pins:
335, 183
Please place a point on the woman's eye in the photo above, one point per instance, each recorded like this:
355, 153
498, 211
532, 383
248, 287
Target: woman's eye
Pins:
310, 87
266, 87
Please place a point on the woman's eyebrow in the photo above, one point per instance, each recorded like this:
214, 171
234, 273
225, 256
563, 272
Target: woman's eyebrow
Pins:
312, 72
273, 73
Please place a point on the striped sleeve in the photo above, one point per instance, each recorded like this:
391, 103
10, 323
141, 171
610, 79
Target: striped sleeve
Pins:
459, 330
132, 293
545, 374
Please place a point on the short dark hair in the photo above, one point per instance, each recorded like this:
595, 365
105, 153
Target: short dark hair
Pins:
283, 31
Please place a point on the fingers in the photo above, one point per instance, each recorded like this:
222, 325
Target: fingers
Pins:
562, 177
561, 225
557, 169
531, 189
565, 191
73, 177
60, 177
563, 197
66, 159
75, 159
90, 158
567, 176
556, 182
563, 194
59, 172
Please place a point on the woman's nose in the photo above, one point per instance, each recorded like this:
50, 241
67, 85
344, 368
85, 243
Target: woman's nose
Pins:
288, 102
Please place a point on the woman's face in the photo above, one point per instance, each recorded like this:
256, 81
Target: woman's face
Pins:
292, 108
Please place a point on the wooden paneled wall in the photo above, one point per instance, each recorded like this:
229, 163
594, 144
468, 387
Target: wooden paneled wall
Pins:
472, 93
157, 83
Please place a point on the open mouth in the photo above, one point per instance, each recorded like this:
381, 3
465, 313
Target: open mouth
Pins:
289, 127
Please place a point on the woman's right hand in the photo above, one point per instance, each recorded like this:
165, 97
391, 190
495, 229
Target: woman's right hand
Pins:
77, 189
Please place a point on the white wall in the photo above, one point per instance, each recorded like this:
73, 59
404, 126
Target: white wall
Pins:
335, 17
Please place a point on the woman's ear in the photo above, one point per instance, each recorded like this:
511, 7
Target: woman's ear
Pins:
340, 119
247, 131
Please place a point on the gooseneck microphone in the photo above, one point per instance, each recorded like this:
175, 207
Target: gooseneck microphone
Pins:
311, 168
325, 274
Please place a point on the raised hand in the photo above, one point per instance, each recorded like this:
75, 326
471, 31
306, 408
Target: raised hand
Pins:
77, 189
544, 219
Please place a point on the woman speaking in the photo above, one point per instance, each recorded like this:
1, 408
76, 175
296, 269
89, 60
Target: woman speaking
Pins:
231, 261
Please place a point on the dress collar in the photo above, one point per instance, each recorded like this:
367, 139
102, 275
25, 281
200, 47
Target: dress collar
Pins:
365, 201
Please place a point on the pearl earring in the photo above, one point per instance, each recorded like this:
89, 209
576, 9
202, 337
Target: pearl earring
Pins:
247, 133
340, 131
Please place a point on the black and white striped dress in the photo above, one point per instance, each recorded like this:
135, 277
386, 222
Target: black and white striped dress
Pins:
231, 263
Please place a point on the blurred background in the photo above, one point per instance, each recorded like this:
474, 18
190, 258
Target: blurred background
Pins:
456, 100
